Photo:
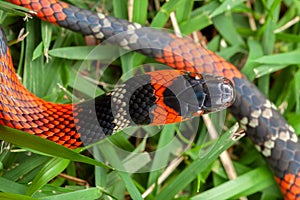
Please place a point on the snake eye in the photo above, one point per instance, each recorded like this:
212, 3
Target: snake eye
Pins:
195, 76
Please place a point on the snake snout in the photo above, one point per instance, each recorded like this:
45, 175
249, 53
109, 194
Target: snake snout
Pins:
227, 91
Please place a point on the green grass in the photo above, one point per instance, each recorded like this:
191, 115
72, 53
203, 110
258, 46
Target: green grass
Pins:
50, 57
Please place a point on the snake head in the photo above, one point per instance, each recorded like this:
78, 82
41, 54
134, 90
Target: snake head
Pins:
220, 93
204, 93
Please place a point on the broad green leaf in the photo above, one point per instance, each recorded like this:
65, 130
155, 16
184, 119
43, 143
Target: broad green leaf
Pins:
10, 186
224, 24
225, 6
140, 11
267, 69
163, 15
10, 196
51, 169
281, 59
89, 193
100, 52
39, 144
260, 177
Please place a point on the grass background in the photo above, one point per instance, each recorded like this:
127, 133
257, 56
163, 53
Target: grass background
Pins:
262, 39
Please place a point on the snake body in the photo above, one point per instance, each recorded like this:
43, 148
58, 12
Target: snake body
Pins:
272, 135
155, 98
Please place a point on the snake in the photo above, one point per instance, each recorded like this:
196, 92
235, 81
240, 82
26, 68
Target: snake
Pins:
258, 116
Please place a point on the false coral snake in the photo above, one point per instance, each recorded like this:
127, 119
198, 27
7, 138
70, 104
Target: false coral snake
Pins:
273, 137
